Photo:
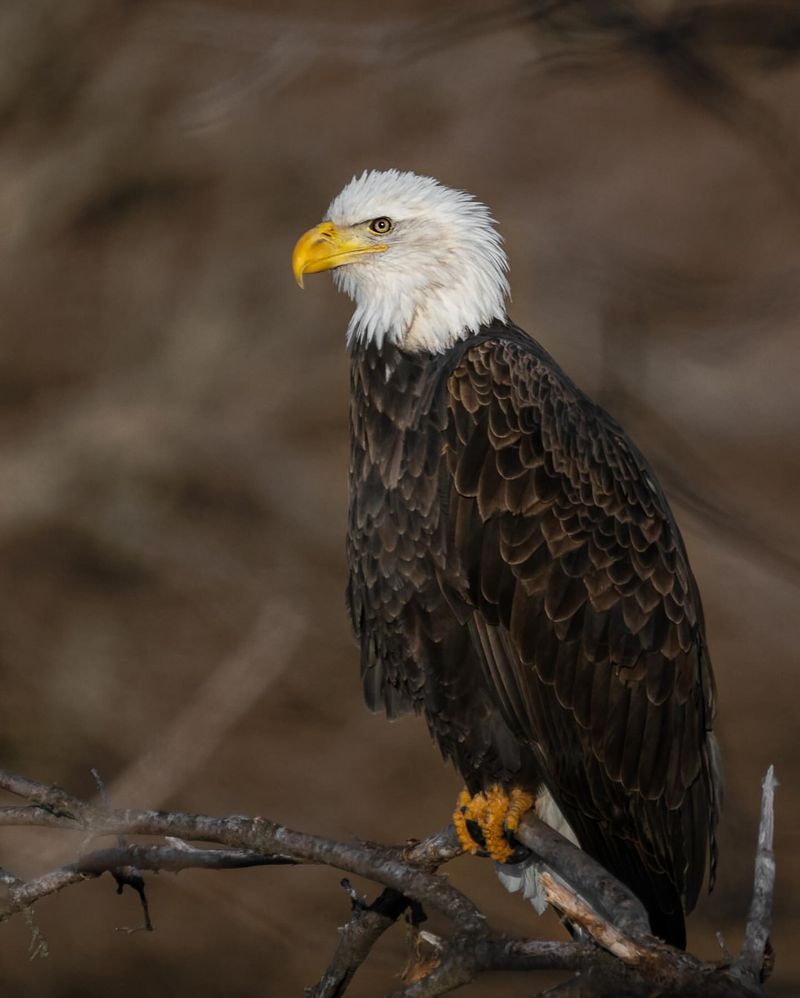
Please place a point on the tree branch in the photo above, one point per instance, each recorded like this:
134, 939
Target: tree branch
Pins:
367, 924
581, 875
22, 894
756, 958
622, 956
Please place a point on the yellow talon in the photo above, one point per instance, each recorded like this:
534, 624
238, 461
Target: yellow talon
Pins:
520, 802
472, 809
497, 812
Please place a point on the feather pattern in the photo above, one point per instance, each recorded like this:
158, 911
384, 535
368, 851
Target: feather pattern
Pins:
517, 575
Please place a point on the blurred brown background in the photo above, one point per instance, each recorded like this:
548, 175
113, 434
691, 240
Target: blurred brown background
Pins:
173, 435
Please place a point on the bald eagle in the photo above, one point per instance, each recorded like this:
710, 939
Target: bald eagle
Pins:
515, 571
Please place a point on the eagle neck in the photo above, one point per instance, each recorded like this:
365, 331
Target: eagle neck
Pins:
381, 369
396, 383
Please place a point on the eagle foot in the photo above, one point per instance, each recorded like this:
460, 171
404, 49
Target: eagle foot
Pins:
486, 822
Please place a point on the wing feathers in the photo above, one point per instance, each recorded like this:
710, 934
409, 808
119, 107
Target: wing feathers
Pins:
516, 572
587, 611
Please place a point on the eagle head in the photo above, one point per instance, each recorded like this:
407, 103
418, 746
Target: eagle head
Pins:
423, 263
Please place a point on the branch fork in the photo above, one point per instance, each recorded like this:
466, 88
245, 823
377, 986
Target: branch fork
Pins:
620, 954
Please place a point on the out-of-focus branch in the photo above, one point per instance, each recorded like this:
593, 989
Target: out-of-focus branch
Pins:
685, 43
622, 957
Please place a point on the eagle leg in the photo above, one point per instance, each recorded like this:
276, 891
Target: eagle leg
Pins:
486, 822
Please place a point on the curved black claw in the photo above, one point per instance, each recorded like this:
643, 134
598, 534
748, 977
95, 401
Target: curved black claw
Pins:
476, 834
519, 855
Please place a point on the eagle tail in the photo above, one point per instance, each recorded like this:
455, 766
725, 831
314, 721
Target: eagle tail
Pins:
524, 877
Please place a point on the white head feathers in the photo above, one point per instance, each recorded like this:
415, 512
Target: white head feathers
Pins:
443, 274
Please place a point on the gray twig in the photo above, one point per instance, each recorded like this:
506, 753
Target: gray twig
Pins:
755, 960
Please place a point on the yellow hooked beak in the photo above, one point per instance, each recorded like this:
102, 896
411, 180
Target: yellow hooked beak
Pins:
325, 247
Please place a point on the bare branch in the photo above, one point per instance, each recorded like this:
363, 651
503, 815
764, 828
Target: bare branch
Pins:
756, 948
387, 865
624, 957
173, 859
22, 894
603, 893
367, 924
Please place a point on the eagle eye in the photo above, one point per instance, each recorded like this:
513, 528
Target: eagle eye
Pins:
381, 225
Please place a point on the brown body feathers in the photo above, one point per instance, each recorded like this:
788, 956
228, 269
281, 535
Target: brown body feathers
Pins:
517, 575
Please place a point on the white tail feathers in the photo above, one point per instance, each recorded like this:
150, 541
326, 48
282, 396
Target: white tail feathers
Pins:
524, 876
